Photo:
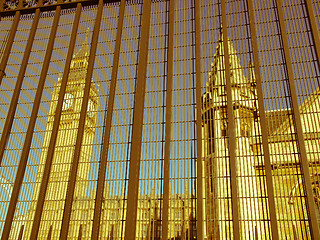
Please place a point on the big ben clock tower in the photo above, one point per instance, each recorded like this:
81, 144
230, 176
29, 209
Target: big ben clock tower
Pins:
65, 144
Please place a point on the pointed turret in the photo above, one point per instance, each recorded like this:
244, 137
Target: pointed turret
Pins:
217, 75
83, 52
79, 67
79, 62
214, 133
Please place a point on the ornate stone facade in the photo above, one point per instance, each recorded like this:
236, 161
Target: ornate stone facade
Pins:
287, 179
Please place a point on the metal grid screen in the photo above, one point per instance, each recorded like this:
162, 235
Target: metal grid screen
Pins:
158, 119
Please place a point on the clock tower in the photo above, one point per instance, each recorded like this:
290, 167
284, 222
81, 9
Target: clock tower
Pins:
65, 145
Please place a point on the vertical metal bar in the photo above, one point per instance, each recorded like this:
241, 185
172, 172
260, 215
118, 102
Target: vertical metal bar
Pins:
10, 117
198, 120
20, 4
21, 232
231, 129
314, 28
27, 143
40, 3
298, 127
295, 237
80, 232
263, 122
55, 128
7, 50
133, 185
4, 61
166, 165
256, 234
49, 233
15, 97
81, 127
105, 149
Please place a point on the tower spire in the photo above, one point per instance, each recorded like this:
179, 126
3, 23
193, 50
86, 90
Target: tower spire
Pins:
84, 50
80, 59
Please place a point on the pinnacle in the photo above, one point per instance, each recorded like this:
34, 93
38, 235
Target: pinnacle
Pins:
84, 49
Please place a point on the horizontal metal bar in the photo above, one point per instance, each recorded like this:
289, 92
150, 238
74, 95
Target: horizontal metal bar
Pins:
52, 7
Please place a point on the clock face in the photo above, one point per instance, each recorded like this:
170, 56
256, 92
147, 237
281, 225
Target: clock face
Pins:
67, 101
90, 109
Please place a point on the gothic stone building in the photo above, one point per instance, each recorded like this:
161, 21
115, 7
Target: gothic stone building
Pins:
251, 189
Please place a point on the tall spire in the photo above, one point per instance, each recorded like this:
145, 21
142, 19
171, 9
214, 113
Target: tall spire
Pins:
217, 66
79, 63
84, 50
80, 59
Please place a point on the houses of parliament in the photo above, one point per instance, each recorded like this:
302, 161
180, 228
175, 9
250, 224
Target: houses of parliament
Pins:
286, 170
217, 208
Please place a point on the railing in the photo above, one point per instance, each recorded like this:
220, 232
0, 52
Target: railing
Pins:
122, 120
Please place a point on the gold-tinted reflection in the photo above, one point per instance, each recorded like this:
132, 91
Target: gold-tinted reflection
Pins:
291, 210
